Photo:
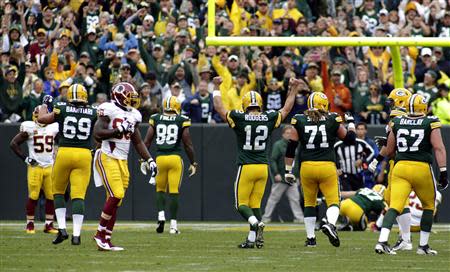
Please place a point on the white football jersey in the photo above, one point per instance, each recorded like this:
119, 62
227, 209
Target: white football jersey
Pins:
415, 207
40, 141
117, 148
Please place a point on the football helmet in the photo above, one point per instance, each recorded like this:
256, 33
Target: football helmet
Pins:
398, 98
172, 104
77, 93
379, 188
318, 101
252, 99
125, 95
417, 105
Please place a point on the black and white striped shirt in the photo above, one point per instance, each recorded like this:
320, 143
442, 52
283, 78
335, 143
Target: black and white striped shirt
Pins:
347, 155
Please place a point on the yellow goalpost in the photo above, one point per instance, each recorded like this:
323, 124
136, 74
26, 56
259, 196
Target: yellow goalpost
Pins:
394, 43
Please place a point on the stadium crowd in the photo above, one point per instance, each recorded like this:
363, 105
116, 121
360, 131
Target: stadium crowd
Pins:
159, 46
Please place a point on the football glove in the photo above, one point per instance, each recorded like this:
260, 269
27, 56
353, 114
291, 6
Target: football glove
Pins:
126, 127
443, 180
30, 161
48, 100
349, 117
373, 166
149, 166
152, 181
193, 169
380, 141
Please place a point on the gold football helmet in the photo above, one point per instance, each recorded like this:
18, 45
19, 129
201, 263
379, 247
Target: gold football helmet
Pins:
379, 188
318, 101
417, 105
399, 98
171, 103
252, 99
77, 93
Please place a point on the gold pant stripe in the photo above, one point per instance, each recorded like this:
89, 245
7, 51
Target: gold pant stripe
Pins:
103, 172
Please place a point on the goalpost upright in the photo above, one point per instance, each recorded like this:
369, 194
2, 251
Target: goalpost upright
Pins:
394, 43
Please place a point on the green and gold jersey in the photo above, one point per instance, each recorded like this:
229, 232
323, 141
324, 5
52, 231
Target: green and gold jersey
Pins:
317, 139
430, 93
413, 137
369, 200
168, 131
76, 122
205, 103
252, 132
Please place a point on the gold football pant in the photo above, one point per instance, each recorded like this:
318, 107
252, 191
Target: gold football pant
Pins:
352, 211
250, 185
387, 192
72, 164
170, 173
114, 173
39, 177
414, 176
315, 175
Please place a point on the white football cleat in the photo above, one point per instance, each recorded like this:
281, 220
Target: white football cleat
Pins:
383, 248
426, 250
101, 243
174, 231
402, 245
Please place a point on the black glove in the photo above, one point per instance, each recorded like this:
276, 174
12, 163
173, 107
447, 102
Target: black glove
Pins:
380, 141
443, 180
48, 100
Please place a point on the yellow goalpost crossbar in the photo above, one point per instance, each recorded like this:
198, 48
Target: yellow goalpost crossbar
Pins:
393, 42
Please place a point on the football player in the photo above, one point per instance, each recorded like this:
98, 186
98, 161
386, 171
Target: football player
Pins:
73, 159
397, 101
413, 137
170, 128
357, 205
253, 128
317, 131
417, 209
40, 139
116, 127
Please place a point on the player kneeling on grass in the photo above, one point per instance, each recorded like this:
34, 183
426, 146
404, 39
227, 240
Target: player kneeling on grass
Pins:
317, 131
413, 136
358, 205
170, 128
40, 139
253, 128
115, 128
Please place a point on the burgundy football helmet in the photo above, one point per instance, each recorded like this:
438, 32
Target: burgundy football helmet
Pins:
125, 95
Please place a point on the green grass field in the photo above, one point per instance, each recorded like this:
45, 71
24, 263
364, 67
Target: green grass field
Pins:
212, 247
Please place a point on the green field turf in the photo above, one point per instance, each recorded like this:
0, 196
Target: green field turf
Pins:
212, 247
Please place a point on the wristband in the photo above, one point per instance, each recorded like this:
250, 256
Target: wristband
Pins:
288, 169
442, 169
216, 93
379, 158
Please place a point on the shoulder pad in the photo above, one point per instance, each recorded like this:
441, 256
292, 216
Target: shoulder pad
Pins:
61, 103
270, 111
184, 116
27, 126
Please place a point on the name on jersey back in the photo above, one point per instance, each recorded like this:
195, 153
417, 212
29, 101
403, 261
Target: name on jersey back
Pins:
167, 118
79, 110
416, 122
259, 117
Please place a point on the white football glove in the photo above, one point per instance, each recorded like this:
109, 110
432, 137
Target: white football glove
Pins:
30, 161
193, 169
150, 167
152, 181
373, 165
126, 127
349, 117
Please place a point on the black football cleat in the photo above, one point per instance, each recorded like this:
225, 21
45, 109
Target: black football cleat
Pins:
160, 228
330, 231
259, 235
61, 236
247, 244
76, 240
310, 242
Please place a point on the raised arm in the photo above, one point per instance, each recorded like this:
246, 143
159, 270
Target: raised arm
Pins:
294, 85
44, 117
217, 98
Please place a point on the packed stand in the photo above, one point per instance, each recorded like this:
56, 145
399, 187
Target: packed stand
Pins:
159, 46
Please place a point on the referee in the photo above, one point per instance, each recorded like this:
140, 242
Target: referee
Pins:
350, 161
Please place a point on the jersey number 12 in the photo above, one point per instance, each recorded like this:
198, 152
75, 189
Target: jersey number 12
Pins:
260, 140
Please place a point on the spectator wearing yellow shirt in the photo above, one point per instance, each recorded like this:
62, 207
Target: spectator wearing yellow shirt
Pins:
239, 17
313, 78
289, 10
441, 106
236, 93
264, 15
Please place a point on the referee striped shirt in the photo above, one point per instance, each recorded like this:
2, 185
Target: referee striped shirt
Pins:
347, 155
